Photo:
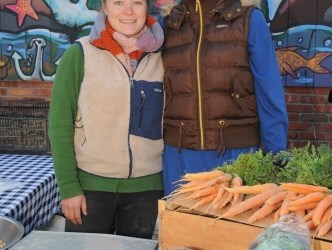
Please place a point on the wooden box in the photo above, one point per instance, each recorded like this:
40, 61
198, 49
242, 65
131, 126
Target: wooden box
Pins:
179, 227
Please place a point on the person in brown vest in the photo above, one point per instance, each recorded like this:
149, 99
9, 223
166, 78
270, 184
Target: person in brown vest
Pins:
224, 94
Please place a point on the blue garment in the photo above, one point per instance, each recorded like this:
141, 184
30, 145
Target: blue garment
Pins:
271, 109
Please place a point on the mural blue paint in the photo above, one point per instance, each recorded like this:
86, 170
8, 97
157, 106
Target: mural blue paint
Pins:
302, 31
35, 33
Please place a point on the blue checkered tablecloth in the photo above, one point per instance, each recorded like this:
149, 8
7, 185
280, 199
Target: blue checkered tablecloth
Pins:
38, 199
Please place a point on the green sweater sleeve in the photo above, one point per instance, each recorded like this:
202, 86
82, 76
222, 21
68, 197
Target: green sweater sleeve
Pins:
62, 113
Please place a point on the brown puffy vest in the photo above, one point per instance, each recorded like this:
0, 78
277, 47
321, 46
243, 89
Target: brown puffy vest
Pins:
210, 101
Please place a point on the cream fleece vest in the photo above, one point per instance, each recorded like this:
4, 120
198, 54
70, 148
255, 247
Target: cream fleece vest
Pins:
103, 144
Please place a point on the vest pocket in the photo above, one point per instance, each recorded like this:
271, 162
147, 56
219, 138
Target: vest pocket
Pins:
147, 110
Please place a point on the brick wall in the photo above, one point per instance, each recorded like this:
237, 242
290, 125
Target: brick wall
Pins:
310, 113
310, 116
29, 91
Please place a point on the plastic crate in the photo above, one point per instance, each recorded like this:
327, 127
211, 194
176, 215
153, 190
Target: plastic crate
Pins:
23, 127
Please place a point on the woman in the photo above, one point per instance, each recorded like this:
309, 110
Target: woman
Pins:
105, 123
224, 95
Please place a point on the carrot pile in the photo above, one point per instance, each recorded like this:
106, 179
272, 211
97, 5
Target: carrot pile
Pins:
218, 190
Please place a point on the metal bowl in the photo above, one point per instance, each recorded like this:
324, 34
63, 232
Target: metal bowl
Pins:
11, 231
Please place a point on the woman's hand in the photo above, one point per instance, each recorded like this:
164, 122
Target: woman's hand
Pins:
72, 208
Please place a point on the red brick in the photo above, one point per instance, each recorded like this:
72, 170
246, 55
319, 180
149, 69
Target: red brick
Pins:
313, 99
294, 117
8, 84
292, 135
317, 136
299, 90
48, 85
3, 91
301, 126
19, 92
315, 117
30, 84
322, 108
307, 135
42, 92
327, 127
322, 91
299, 108
292, 98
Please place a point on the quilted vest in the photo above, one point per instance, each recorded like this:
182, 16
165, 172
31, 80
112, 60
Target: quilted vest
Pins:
210, 99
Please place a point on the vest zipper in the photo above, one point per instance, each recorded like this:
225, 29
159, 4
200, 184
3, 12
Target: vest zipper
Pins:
221, 146
131, 81
141, 109
180, 137
199, 91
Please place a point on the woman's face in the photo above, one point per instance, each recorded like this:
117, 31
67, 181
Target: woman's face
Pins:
126, 17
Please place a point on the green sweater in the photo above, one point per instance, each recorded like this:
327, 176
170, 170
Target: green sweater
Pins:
63, 110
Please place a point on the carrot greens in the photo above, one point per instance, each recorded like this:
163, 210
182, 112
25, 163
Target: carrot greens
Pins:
308, 165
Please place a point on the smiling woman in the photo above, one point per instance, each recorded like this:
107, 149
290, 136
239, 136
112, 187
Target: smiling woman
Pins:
126, 16
108, 95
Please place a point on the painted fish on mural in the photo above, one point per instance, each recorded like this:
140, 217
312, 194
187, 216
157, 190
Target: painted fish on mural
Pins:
290, 61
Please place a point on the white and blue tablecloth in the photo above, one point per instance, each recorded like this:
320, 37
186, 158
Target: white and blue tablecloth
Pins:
37, 199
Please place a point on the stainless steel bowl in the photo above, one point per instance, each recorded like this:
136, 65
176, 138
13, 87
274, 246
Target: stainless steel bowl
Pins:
11, 231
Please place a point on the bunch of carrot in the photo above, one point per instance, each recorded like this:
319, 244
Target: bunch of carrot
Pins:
209, 187
221, 190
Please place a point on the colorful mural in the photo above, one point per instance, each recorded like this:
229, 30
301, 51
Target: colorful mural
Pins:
35, 33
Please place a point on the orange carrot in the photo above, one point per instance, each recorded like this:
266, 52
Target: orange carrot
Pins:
227, 199
309, 215
303, 188
228, 196
310, 224
262, 212
191, 184
203, 175
284, 208
238, 199
306, 206
204, 201
324, 228
300, 212
276, 198
203, 192
276, 215
311, 197
327, 215
217, 204
322, 206
251, 202
255, 189
236, 182
208, 183
220, 193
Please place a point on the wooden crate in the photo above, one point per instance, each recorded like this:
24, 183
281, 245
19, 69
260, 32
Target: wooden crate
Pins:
180, 227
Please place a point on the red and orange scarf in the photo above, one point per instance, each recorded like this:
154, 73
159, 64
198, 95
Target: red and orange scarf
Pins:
128, 50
